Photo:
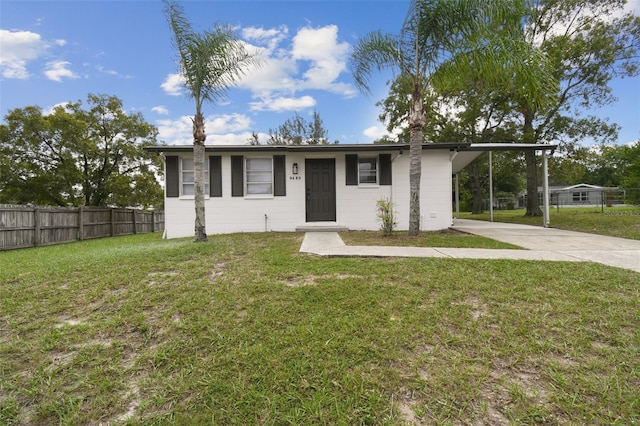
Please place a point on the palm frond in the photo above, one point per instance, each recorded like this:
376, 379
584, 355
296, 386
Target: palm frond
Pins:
228, 62
181, 30
210, 62
375, 52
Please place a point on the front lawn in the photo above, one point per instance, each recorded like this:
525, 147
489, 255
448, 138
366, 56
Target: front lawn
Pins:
245, 330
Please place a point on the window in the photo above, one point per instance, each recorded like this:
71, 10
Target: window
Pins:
580, 196
187, 176
367, 170
259, 176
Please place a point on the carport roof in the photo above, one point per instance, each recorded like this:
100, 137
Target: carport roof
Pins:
466, 155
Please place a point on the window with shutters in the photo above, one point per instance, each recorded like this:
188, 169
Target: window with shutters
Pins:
259, 176
187, 177
367, 170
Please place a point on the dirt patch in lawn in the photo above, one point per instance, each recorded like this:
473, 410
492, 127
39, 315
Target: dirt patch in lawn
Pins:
308, 280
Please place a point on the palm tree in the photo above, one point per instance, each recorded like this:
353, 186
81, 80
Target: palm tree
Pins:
440, 40
210, 63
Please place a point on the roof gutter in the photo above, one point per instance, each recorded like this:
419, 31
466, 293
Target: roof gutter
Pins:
307, 148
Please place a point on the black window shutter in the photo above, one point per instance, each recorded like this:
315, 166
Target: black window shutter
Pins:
237, 176
172, 178
279, 176
384, 161
215, 176
351, 165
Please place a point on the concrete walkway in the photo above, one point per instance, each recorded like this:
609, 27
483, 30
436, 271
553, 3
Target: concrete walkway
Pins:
541, 243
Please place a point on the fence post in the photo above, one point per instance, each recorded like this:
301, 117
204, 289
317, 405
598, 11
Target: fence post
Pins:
135, 223
36, 227
113, 219
153, 221
81, 223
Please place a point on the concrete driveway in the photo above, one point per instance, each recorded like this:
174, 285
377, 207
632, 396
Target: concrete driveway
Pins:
547, 244
612, 251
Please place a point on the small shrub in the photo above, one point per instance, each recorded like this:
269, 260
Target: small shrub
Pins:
386, 216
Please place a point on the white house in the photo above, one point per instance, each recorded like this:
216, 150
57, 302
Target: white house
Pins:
582, 194
291, 187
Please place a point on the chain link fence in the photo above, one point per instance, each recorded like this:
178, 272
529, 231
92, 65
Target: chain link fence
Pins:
578, 197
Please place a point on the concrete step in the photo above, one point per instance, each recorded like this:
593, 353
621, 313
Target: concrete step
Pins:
322, 228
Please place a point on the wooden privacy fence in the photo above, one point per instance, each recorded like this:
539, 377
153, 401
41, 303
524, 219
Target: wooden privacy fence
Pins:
27, 226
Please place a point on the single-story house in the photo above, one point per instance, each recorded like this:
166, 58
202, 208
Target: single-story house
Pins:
582, 194
255, 188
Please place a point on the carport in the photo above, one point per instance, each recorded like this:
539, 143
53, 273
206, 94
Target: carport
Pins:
465, 155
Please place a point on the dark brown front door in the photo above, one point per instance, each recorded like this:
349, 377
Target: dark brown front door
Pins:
320, 180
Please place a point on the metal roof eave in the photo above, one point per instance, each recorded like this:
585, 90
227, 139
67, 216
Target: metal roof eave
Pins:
452, 146
308, 148
510, 146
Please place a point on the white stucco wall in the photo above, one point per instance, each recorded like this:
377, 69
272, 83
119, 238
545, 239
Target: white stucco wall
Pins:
355, 205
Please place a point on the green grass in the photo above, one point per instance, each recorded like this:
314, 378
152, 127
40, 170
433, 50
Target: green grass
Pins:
621, 222
446, 238
245, 330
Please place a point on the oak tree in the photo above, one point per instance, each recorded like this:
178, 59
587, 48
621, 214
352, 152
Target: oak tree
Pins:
77, 155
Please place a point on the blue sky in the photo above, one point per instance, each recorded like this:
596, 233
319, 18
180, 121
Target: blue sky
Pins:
59, 51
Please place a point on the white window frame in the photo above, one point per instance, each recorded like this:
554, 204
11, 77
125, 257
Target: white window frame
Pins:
192, 184
370, 160
251, 186
580, 196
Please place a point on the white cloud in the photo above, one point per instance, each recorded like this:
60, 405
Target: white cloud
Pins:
17, 48
269, 38
227, 123
378, 131
160, 109
283, 104
57, 70
51, 109
315, 60
173, 84
326, 56
218, 128
175, 132
114, 73
375, 132
275, 75
233, 138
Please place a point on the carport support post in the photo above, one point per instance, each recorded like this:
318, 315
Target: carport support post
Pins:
490, 187
545, 188
457, 195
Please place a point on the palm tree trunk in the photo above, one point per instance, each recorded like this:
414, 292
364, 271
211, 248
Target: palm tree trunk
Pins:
198, 159
415, 175
416, 125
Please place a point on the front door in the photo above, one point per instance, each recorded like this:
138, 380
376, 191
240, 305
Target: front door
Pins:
320, 179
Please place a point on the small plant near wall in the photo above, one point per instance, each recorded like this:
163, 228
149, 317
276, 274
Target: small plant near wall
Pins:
386, 216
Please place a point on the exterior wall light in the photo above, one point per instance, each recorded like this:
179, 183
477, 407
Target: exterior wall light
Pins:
294, 168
